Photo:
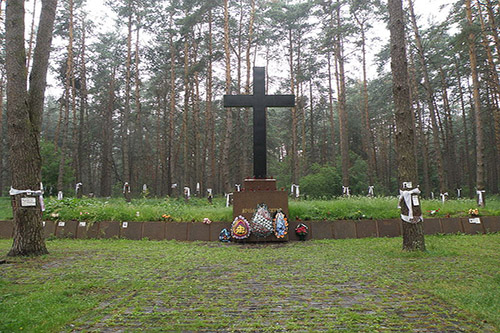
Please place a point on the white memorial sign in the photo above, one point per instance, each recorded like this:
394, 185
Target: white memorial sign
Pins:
28, 202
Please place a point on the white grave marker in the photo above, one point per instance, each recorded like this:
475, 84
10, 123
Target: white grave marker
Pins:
125, 225
83, 224
61, 224
475, 220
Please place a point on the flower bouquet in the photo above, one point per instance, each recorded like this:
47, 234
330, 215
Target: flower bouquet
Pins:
301, 230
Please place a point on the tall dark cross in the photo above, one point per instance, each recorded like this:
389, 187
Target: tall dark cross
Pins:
259, 101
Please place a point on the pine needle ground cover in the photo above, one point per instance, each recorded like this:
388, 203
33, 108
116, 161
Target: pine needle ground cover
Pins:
353, 285
172, 209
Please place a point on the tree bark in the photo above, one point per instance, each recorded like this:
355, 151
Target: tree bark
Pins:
413, 235
229, 112
468, 166
430, 101
331, 115
367, 137
480, 177
343, 129
24, 112
125, 135
107, 139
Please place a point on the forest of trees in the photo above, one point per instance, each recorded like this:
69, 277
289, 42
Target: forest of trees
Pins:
142, 102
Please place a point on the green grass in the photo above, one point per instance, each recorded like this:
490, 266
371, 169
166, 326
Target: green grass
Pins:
116, 209
355, 285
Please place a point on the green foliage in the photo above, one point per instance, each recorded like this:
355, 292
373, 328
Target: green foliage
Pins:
116, 209
322, 182
325, 181
353, 285
340, 208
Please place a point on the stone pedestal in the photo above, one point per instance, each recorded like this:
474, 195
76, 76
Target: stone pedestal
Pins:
258, 191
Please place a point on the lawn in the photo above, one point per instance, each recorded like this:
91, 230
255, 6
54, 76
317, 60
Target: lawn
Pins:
173, 209
355, 285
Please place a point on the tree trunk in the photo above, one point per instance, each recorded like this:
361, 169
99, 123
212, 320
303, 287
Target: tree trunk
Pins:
125, 135
480, 178
468, 166
171, 129
2, 85
107, 139
185, 117
84, 143
210, 119
430, 101
450, 135
493, 80
246, 117
413, 235
421, 133
229, 112
139, 153
343, 130
32, 34
24, 112
294, 152
331, 117
367, 137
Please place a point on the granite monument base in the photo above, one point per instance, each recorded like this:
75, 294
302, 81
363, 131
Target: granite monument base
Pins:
255, 192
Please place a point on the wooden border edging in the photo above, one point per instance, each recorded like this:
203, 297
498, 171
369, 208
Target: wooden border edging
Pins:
197, 231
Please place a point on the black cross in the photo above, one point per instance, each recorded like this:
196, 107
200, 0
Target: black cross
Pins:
259, 101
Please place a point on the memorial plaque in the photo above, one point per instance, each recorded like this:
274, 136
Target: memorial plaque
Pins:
28, 202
